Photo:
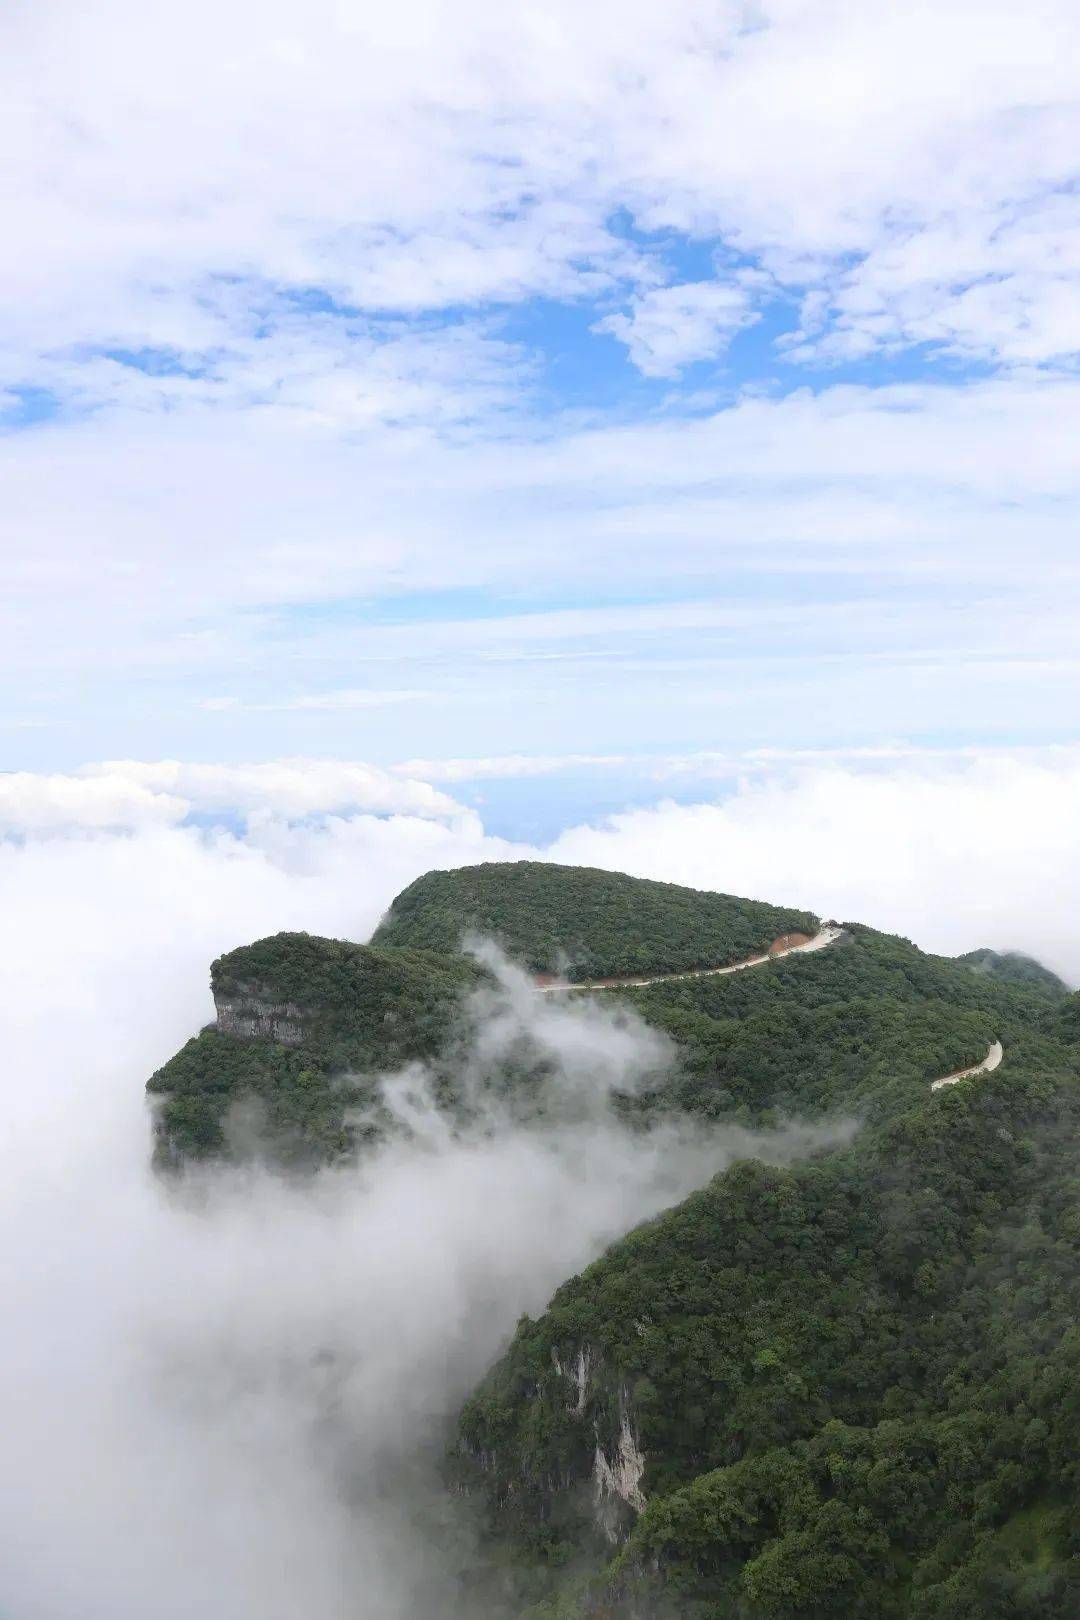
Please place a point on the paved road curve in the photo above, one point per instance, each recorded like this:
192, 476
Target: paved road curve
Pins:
993, 1057
827, 935
824, 936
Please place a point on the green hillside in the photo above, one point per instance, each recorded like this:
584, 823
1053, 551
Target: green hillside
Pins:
1013, 967
845, 1388
862, 1026
305, 1025
348, 1012
590, 923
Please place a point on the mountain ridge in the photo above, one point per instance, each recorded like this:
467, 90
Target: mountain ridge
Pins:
841, 1387
592, 922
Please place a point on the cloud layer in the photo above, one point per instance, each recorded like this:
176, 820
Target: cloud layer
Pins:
955, 850
230, 1400
229, 1404
904, 170
822, 569
357, 353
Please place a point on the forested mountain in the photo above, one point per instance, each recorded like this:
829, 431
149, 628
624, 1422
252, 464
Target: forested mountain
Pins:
586, 922
863, 1026
1015, 968
304, 1026
846, 1388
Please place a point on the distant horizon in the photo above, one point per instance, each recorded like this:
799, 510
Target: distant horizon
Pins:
642, 438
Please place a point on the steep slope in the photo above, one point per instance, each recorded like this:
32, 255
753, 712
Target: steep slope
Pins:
590, 923
835, 1389
303, 1026
863, 1027
793, 944
843, 1388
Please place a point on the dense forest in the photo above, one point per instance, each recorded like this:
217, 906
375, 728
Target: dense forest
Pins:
853, 1385
849, 1387
362, 1012
583, 922
862, 1026
1015, 968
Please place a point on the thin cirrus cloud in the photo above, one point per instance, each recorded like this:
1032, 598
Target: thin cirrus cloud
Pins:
334, 702
710, 764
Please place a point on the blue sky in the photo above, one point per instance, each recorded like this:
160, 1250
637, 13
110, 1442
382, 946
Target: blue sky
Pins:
640, 435
574, 385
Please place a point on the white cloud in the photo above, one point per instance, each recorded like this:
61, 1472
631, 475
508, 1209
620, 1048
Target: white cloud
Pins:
507, 766
900, 512
289, 788
34, 803
714, 763
227, 1405
670, 327
1002, 287
349, 698
936, 143
325, 368
304, 398
958, 850
954, 855
129, 794
308, 520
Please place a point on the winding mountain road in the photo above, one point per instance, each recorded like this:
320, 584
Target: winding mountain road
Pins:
995, 1053
824, 936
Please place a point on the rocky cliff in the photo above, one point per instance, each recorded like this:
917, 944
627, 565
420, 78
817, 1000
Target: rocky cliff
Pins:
304, 1028
250, 1013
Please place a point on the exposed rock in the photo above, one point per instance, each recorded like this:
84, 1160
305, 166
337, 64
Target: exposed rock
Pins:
249, 1015
578, 1375
617, 1468
617, 1479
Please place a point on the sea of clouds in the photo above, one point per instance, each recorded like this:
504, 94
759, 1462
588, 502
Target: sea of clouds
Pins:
230, 1402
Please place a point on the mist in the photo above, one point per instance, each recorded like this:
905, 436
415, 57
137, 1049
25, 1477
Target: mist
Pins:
230, 1398
232, 1403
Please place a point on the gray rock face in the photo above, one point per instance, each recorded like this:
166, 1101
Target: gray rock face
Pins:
249, 1014
617, 1475
618, 1467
